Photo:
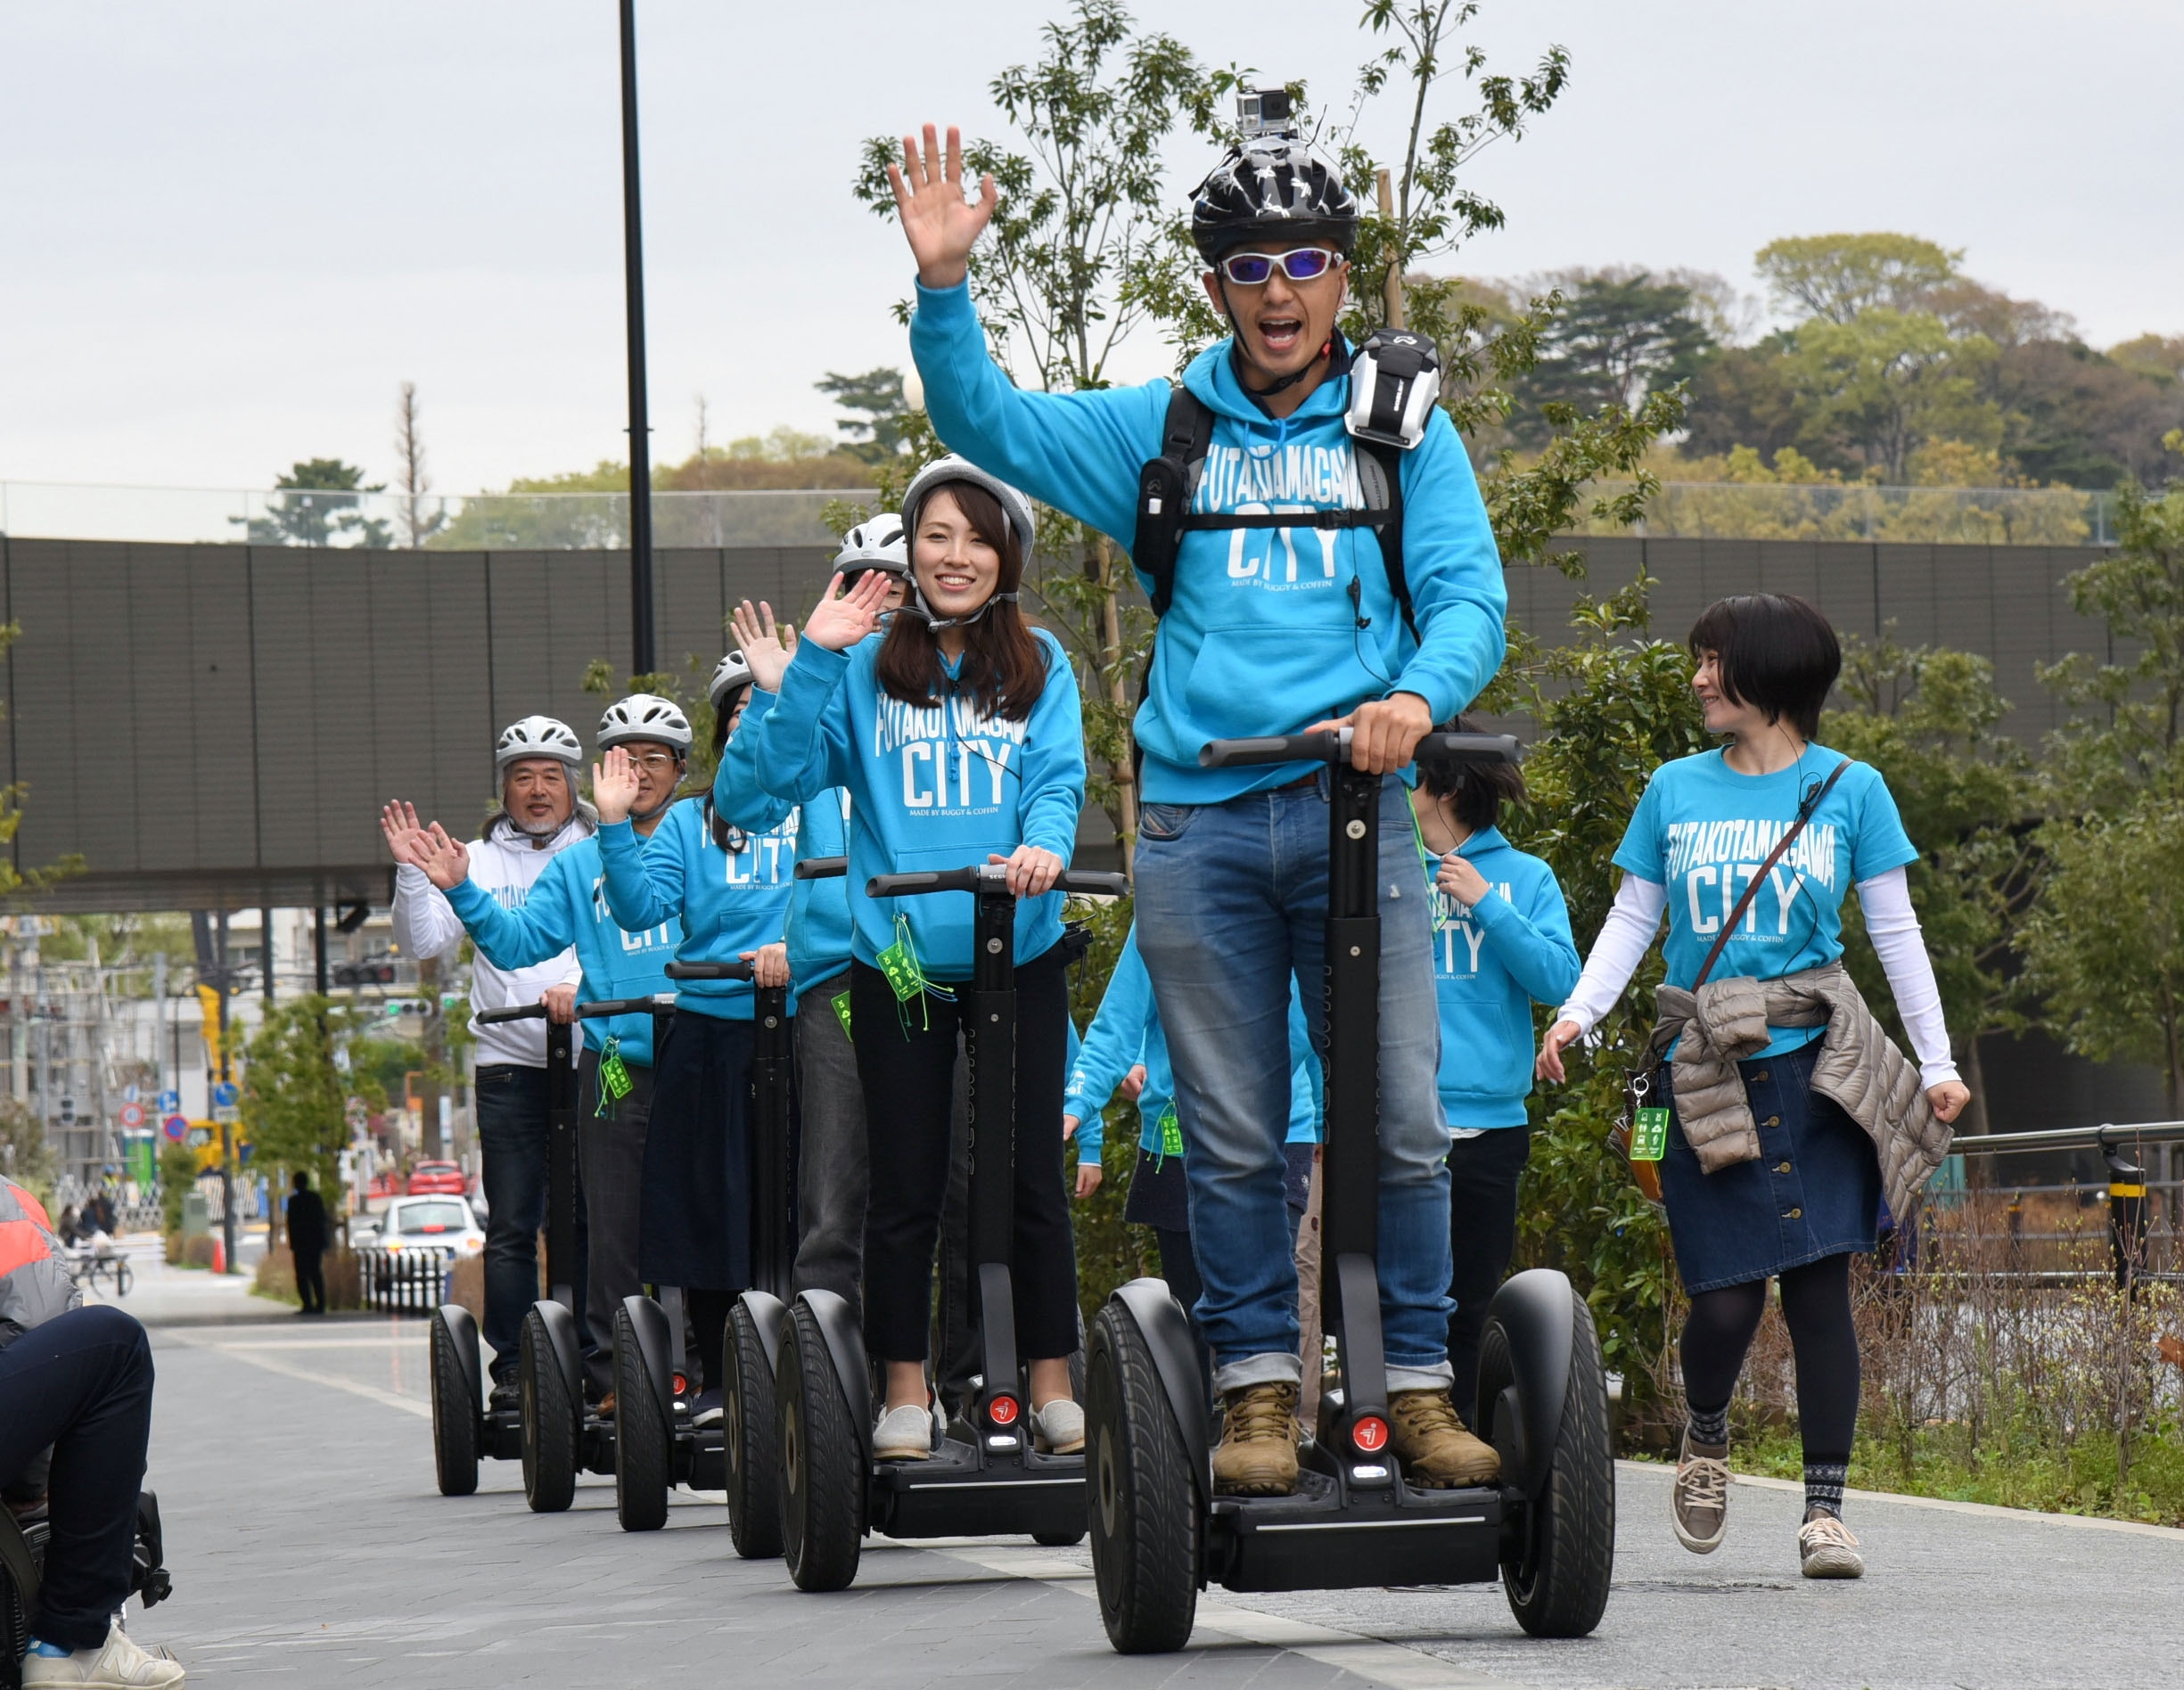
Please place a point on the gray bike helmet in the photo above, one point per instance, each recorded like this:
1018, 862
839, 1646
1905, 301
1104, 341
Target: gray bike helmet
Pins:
732, 671
536, 737
874, 544
644, 716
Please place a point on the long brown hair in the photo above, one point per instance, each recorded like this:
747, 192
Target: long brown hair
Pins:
1004, 669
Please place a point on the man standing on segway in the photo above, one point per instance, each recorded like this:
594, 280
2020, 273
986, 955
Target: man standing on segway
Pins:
536, 763
1378, 608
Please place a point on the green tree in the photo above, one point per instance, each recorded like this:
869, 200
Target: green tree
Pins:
1838, 278
1882, 384
2130, 713
1930, 720
320, 504
25, 1155
2104, 947
873, 430
1619, 335
294, 1095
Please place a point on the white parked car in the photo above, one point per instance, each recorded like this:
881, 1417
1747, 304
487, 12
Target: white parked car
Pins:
442, 1223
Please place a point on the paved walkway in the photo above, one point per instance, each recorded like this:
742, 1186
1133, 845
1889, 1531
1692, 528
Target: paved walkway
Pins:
294, 1469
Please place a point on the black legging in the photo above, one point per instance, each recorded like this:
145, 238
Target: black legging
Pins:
906, 1060
1815, 1304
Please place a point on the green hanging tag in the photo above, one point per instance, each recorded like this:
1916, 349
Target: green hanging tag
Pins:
841, 1013
1430, 863
1649, 1134
899, 962
614, 1081
1172, 1133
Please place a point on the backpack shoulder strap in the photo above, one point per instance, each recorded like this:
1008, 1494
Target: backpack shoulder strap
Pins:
1380, 475
1164, 489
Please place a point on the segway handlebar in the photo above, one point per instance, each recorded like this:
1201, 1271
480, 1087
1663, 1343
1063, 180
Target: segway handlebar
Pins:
1096, 883
708, 971
514, 1012
823, 868
626, 1006
1332, 745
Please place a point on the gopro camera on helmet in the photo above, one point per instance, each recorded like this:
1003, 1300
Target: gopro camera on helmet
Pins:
1265, 111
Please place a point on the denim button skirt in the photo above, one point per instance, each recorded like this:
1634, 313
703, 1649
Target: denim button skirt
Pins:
1814, 1192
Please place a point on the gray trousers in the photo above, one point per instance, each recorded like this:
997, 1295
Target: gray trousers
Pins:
611, 1154
833, 1175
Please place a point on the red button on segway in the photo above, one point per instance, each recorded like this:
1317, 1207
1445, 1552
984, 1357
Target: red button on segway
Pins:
1370, 1434
1002, 1411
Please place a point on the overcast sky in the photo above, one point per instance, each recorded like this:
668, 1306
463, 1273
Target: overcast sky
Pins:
229, 230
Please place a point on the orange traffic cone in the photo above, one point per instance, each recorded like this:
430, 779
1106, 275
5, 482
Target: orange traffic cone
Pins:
219, 1255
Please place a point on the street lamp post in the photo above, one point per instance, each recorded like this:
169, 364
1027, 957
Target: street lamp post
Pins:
641, 632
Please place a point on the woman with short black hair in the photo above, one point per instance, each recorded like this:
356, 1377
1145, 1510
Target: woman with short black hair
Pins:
1789, 1111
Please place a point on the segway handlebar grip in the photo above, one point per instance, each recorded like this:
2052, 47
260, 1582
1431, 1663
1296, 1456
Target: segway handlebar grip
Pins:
1469, 748
823, 868
1325, 745
1095, 882
708, 971
922, 881
624, 1006
514, 1012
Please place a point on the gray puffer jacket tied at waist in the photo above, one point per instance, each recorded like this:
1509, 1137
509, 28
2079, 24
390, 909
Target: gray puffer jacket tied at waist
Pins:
1859, 1067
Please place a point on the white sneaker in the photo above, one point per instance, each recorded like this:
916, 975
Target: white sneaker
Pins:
117, 1664
1058, 1428
1825, 1549
904, 1434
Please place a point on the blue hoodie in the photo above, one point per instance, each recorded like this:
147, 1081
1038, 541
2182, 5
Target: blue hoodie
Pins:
567, 907
930, 787
1262, 636
730, 902
819, 932
1512, 949
1126, 1031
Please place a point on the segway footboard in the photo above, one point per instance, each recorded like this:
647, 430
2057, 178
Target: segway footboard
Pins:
1015, 1493
1336, 1534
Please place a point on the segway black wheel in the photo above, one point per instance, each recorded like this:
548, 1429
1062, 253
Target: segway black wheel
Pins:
753, 1445
1558, 1546
454, 1415
822, 1463
644, 1437
1143, 1503
550, 1426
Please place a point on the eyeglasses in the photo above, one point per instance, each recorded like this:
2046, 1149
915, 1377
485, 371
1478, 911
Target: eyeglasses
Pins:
655, 760
1299, 264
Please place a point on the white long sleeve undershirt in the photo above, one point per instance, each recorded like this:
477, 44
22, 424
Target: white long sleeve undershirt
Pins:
1628, 934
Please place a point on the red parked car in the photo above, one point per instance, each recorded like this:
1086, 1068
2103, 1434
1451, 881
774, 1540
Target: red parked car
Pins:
437, 1178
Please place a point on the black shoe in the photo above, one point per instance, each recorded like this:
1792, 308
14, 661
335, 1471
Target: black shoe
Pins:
503, 1399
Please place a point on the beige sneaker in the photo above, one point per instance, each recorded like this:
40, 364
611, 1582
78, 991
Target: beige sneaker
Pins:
1827, 1550
117, 1664
1057, 1427
904, 1434
1699, 1505
1436, 1452
1257, 1456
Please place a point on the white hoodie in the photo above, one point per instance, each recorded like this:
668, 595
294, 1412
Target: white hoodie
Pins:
503, 863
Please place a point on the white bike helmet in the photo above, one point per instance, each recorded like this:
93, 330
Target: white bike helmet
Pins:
644, 716
537, 736
732, 671
960, 469
875, 545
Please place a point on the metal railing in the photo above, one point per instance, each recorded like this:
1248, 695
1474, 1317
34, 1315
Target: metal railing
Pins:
410, 1280
2130, 1190
1907, 516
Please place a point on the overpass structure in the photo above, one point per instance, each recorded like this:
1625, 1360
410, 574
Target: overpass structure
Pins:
215, 726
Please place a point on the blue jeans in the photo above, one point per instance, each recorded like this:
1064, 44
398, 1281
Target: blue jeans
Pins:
511, 1131
1232, 899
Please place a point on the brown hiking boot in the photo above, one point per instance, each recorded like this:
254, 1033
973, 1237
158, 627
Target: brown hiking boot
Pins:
1436, 1452
1257, 1456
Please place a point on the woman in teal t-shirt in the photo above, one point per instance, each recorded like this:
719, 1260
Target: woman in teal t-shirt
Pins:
1799, 1210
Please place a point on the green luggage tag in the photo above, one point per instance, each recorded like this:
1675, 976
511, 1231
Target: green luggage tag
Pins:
614, 1081
1171, 1135
840, 1000
906, 974
1649, 1134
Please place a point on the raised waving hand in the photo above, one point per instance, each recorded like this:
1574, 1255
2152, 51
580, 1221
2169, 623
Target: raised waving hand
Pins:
765, 648
840, 620
941, 225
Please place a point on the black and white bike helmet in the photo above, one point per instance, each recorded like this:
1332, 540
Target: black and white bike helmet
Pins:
644, 716
1272, 186
536, 737
877, 544
731, 672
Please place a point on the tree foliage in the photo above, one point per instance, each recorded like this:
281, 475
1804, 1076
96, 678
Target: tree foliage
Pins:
319, 503
1838, 278
295, 1096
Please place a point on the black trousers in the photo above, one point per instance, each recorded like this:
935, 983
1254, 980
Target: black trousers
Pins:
81, 1382
1482, 1177
905, 1058
311, 1280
